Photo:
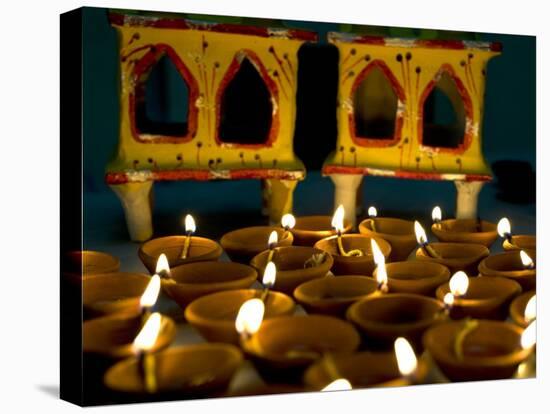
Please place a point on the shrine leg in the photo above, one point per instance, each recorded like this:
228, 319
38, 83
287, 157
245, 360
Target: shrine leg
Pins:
345, 193
467, 193
280, 196
136, 201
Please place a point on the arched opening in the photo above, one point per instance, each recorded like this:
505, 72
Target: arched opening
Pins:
444, 115
375, 107
162, 108
246, 108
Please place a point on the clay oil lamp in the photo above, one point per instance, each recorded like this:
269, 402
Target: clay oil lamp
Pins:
295, 265
463, 230
368, 369
455, 256
523, 309
515, 265
333, 295
193, 280
475, 350
112, 293
478, 297
180, 249
383, 318
351, 252
515, 242
282, 348
243, 244
397, 232
415, 276
77, 264
310, 229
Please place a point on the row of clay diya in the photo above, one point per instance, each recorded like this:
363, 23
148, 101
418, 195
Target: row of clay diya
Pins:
399, 302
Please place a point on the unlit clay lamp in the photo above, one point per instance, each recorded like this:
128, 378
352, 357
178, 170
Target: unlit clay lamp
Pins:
515, 242
295, 265
76, 264
478, 297
476, 350
463, 230
179, 249
523, 309
214, 315
369, 369
397, 232
415, 276
243, 244
333, 295
518, 265
310, 229
383, 318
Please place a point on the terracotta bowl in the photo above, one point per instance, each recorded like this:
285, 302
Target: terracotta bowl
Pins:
201, 249
486, 298
87, 262
194, 280
383, 318
112, 336
521, 242
310, 229
363, 370
346, 265
194, 370
491, 351
415, 276
333, 295
466, 231
397, 232
517, 308
290, 261
508, 264
285, 346
243, 244
456, 256
112, 293
214, 315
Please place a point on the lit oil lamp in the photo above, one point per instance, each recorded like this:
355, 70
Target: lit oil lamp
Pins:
415, 276
179, 249
308, 230
523, 309
515, 265
514, 242
474, 231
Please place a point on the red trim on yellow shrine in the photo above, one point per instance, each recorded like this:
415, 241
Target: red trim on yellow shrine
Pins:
468, 106
119, 19
271, 86
397, 88
140, 73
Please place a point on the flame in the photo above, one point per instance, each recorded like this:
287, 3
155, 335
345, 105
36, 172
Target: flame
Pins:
273, 239
459, 283
162, 265
147, 337
436, 214
250, 316
406, 359
530, 312
525, 259
341, 384
288, 221
338, 218
529, 336
149, 297
448, 299
270, 272
503, 227
380, 260
421, 237
190, 226
372, 211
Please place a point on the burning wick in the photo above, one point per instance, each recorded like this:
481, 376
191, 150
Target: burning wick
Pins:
268, 280
288, 222
458, 286
271, 243
341, 384
526, 260
149, 298
372, 214
436, 216
338, 225
406, 358
163, 268
505, 229
380, 260
143, 343
422, 240
249, 319
189, 230
530, 312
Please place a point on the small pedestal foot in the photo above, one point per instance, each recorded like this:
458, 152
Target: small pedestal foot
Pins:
467, 193
279, 194
345, 193
136, 199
